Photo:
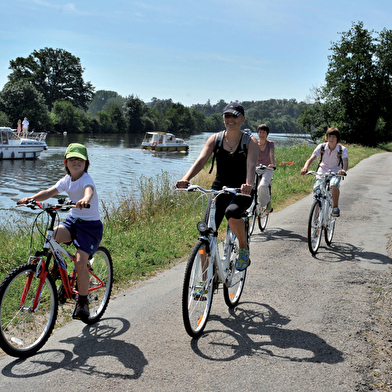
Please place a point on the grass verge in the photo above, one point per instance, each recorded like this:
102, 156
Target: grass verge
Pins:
148, 233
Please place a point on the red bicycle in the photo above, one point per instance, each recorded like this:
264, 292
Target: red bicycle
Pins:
29, 297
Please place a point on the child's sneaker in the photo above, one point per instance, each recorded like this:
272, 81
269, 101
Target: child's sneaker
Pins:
81, 311
243, 260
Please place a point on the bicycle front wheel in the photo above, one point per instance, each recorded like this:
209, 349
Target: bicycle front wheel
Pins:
315, 227
233, 287
101, 282
23, 331
263, 220
330, 229
197, 291
252, 217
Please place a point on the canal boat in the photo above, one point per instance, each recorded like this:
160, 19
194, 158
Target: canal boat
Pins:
13, 146
163, 141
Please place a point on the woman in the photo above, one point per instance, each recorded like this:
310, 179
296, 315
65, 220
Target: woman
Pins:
235, 169
267, 158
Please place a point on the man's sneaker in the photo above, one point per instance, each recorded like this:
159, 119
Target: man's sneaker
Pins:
81, 311
199, 292
335, 212
269, 207
243, 260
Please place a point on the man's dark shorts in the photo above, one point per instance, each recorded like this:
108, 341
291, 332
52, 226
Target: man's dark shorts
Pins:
86, 235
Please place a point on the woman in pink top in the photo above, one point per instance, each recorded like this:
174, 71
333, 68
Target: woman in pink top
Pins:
19, 129
267, 158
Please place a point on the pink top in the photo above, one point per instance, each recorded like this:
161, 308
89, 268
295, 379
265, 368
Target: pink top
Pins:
264, 156
330, 158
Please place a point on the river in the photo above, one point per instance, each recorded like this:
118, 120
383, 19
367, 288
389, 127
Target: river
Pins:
116, 164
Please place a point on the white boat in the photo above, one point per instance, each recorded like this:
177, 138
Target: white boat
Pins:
163, 141
13, 146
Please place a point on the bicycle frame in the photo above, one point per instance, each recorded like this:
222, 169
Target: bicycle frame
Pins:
53, 248
209, 236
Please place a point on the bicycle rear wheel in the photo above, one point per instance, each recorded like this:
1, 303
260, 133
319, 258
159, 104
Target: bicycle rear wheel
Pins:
24, 331
330, 229
233, 287
101, 278
197, 291
315, 227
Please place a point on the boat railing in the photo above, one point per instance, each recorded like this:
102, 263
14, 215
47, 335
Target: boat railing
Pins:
39, 136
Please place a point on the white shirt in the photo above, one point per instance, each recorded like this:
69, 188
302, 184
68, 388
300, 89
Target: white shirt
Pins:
75, 190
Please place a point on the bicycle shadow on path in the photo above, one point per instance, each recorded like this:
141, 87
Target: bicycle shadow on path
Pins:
337, 252
255, 329
94, 342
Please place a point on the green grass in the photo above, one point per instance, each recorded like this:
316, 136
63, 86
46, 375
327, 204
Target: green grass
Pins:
148, 233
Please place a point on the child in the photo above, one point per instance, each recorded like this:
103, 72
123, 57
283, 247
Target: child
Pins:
83, 226
334, 157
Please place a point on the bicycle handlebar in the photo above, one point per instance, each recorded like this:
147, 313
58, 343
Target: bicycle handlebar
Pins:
329, 174
264, 167
225, 189
62, 205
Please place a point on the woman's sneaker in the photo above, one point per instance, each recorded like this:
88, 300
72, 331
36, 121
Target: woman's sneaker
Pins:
243, 260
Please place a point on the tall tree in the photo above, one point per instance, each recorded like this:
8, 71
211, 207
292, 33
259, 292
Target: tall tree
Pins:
56, 74
21, 99
136, 111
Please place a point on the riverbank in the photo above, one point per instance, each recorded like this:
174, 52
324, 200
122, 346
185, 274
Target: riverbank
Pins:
148, 232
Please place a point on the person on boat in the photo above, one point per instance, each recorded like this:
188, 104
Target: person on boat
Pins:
83, 226
19, 127
334, 157
267, 158
25, 125
235, 168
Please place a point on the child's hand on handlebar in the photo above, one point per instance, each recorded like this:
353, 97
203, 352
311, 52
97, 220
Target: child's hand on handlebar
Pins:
183, 184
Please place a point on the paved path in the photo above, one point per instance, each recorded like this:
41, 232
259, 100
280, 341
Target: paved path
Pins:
297, 328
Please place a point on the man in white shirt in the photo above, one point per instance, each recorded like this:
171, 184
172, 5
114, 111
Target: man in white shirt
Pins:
25, 126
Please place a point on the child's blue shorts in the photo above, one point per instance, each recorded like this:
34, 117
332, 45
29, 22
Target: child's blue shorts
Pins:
86, 235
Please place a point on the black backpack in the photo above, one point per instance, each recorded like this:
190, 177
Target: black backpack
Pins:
245, 139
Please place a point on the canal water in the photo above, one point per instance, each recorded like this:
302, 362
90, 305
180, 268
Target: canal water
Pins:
116, 164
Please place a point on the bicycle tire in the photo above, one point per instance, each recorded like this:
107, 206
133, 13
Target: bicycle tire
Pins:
22, 331
315, 227
330, 228
101, 266
233, 289
252, 217
197, 293
262, 220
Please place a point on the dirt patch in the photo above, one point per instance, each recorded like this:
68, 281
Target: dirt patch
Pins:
378, 376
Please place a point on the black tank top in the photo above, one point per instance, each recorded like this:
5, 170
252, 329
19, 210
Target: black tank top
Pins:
230, 168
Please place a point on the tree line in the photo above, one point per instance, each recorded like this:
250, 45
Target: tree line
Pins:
48, 88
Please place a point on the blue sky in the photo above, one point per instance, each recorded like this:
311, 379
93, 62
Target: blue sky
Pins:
190, 51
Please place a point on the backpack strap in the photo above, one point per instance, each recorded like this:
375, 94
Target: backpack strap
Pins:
218, 144
245, 139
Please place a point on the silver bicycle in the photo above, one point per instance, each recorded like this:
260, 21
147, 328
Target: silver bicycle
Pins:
211, 264
320, 217
255, 211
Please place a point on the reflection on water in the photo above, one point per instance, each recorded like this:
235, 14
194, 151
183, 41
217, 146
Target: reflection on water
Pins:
116, 163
